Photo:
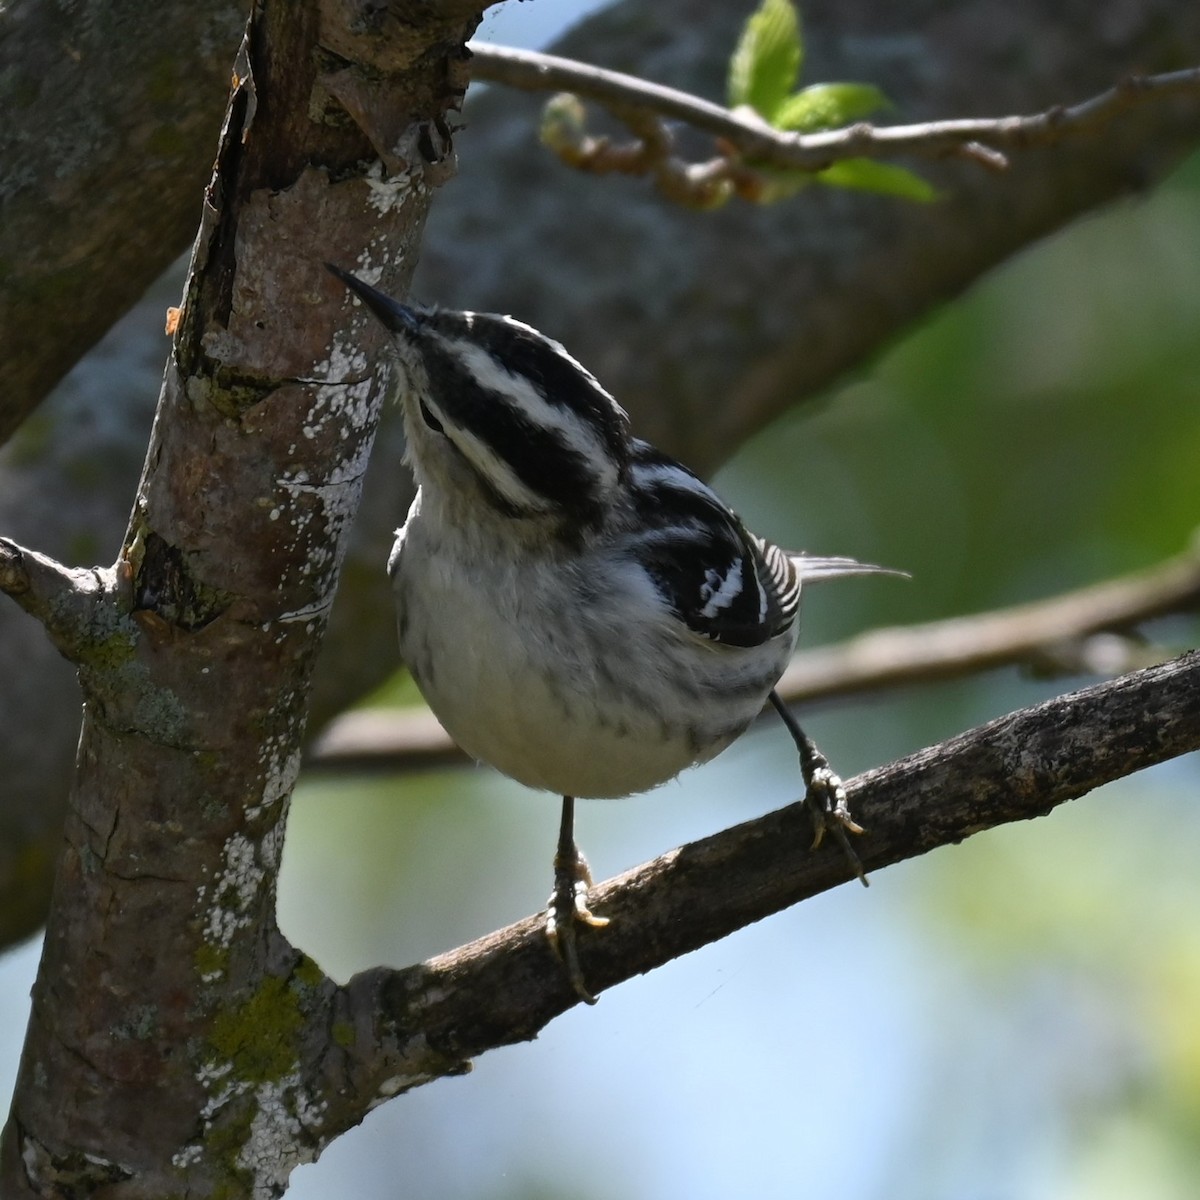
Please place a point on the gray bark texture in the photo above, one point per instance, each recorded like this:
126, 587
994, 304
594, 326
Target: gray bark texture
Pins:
153, 1064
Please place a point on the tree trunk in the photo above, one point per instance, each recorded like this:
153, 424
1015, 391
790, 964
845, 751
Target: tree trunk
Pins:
160, 1058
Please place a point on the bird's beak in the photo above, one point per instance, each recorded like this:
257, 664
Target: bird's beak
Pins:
395, 316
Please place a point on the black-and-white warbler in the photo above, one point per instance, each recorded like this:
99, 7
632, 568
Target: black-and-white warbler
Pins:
578, 609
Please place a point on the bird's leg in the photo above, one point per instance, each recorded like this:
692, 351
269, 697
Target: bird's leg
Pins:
824, 792
569, 901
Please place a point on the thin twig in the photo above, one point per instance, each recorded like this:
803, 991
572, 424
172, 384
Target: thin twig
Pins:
977, 138
399, 740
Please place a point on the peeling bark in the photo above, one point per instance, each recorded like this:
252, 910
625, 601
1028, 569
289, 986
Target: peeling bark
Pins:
158, 1059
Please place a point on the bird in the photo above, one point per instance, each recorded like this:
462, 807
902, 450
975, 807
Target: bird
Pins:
579, 610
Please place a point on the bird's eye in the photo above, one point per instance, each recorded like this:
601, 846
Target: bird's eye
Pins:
430, 419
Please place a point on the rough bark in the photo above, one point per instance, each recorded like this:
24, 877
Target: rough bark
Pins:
155, 1062
387, 1031
1015, 768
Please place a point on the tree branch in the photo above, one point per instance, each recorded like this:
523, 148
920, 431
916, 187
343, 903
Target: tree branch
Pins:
757, 141
397, 740
1026, 633
403, 1026
762, 307
77, 607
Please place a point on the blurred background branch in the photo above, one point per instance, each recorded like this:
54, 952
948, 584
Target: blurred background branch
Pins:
1052, 634
108, 140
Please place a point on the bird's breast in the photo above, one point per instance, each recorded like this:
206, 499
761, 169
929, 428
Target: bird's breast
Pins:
563, 686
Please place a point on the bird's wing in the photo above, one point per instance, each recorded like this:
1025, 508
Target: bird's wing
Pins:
721, 581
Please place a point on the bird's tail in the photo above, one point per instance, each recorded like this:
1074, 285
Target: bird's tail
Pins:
816, 567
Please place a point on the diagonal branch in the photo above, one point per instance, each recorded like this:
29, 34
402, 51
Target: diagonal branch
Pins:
403, 740
81, 234
432, 1018
756, 140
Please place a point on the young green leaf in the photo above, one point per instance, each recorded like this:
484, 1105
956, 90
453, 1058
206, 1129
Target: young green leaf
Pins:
828, 106
766, 62
867, 175
564, 122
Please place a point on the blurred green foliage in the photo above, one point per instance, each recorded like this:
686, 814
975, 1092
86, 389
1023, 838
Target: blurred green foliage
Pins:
1039, 434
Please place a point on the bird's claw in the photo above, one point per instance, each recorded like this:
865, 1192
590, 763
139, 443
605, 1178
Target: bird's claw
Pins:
567, 909
826, 800
824, 792
830, 811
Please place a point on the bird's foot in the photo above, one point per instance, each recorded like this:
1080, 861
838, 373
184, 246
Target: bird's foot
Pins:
567, 910
824, 792
825, 797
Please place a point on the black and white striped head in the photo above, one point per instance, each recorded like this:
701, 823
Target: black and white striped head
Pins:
496, 408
